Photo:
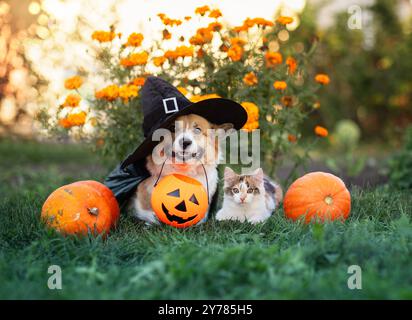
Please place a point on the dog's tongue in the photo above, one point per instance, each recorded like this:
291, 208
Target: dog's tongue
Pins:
181, 166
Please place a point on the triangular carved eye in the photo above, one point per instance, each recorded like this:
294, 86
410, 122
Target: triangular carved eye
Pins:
193, 199
175, 193
181, 206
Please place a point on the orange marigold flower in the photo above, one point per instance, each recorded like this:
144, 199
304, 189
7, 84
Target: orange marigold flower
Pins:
103, 36
262, 22
77, 119
182, 51
200, 53
321, 131
251, 126
237, 41
250, 79
292, 65
249, 23
287, 101
73, 119
182, 90
73, 83
187, 18
139, 81
215, 26
65, 123
292, 138
284, 20
252, 110
235, 53
109, 93
322, 78
240, 28
273, 59
202, 36
135, 59
128, 91
166, 34
197, 98
215, 13
224, 48
168, 21
72, 100
202, 10
280, 85
134, 40
316, 105
158, 61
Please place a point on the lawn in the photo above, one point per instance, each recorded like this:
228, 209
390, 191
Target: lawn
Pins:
276, 260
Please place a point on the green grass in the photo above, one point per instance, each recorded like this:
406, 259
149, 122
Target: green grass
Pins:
276, 260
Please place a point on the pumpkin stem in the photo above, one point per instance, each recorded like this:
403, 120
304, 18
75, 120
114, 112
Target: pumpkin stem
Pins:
328, 200
93, 211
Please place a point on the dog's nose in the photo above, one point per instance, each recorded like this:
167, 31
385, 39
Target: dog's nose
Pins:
185, 143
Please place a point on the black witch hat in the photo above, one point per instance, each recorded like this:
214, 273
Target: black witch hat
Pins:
162, 103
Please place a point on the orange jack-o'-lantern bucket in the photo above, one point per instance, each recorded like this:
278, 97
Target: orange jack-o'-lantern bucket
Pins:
179, 200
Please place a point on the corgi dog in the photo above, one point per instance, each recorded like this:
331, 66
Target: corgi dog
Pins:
193, 151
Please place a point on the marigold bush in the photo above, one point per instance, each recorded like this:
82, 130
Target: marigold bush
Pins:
247, 63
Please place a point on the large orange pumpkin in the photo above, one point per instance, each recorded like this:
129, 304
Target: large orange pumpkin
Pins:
179, 200
317, 195
81, 207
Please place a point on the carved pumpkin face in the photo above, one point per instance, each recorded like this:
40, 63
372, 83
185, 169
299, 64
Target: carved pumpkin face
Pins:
179, 201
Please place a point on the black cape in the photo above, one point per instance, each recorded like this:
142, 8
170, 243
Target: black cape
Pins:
124, 181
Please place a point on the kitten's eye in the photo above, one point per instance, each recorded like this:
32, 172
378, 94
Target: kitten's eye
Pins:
235, 190
250, 190
197, 130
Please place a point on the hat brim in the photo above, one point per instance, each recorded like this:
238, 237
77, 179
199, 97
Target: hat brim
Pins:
216, 110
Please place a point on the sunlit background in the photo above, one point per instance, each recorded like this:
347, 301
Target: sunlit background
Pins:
44, 42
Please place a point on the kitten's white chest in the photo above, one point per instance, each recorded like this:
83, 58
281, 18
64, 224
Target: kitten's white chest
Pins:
252, 212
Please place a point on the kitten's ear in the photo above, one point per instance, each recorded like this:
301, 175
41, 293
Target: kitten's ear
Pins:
258, 174
229, 173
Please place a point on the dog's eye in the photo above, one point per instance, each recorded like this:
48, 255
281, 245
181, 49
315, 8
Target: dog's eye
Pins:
172, 128
250, 190
235, 190
197, 130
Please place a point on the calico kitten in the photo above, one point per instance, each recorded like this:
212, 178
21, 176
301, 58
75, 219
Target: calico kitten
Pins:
249, 198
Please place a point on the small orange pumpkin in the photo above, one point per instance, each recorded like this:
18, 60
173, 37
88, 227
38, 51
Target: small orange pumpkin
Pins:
317, 195
107, 194
179, 200
81, 207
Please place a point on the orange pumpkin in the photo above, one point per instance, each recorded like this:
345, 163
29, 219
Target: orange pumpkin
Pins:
81, 207
317, 195
107, 194
179, 200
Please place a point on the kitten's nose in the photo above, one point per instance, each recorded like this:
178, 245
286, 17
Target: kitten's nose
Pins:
184, 143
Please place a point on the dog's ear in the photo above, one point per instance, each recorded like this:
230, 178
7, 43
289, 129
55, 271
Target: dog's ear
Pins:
227, 128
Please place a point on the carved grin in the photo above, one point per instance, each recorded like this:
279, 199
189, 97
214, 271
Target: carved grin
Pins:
173, 218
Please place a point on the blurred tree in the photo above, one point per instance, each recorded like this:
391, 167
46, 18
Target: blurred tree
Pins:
16, 85
370, 69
